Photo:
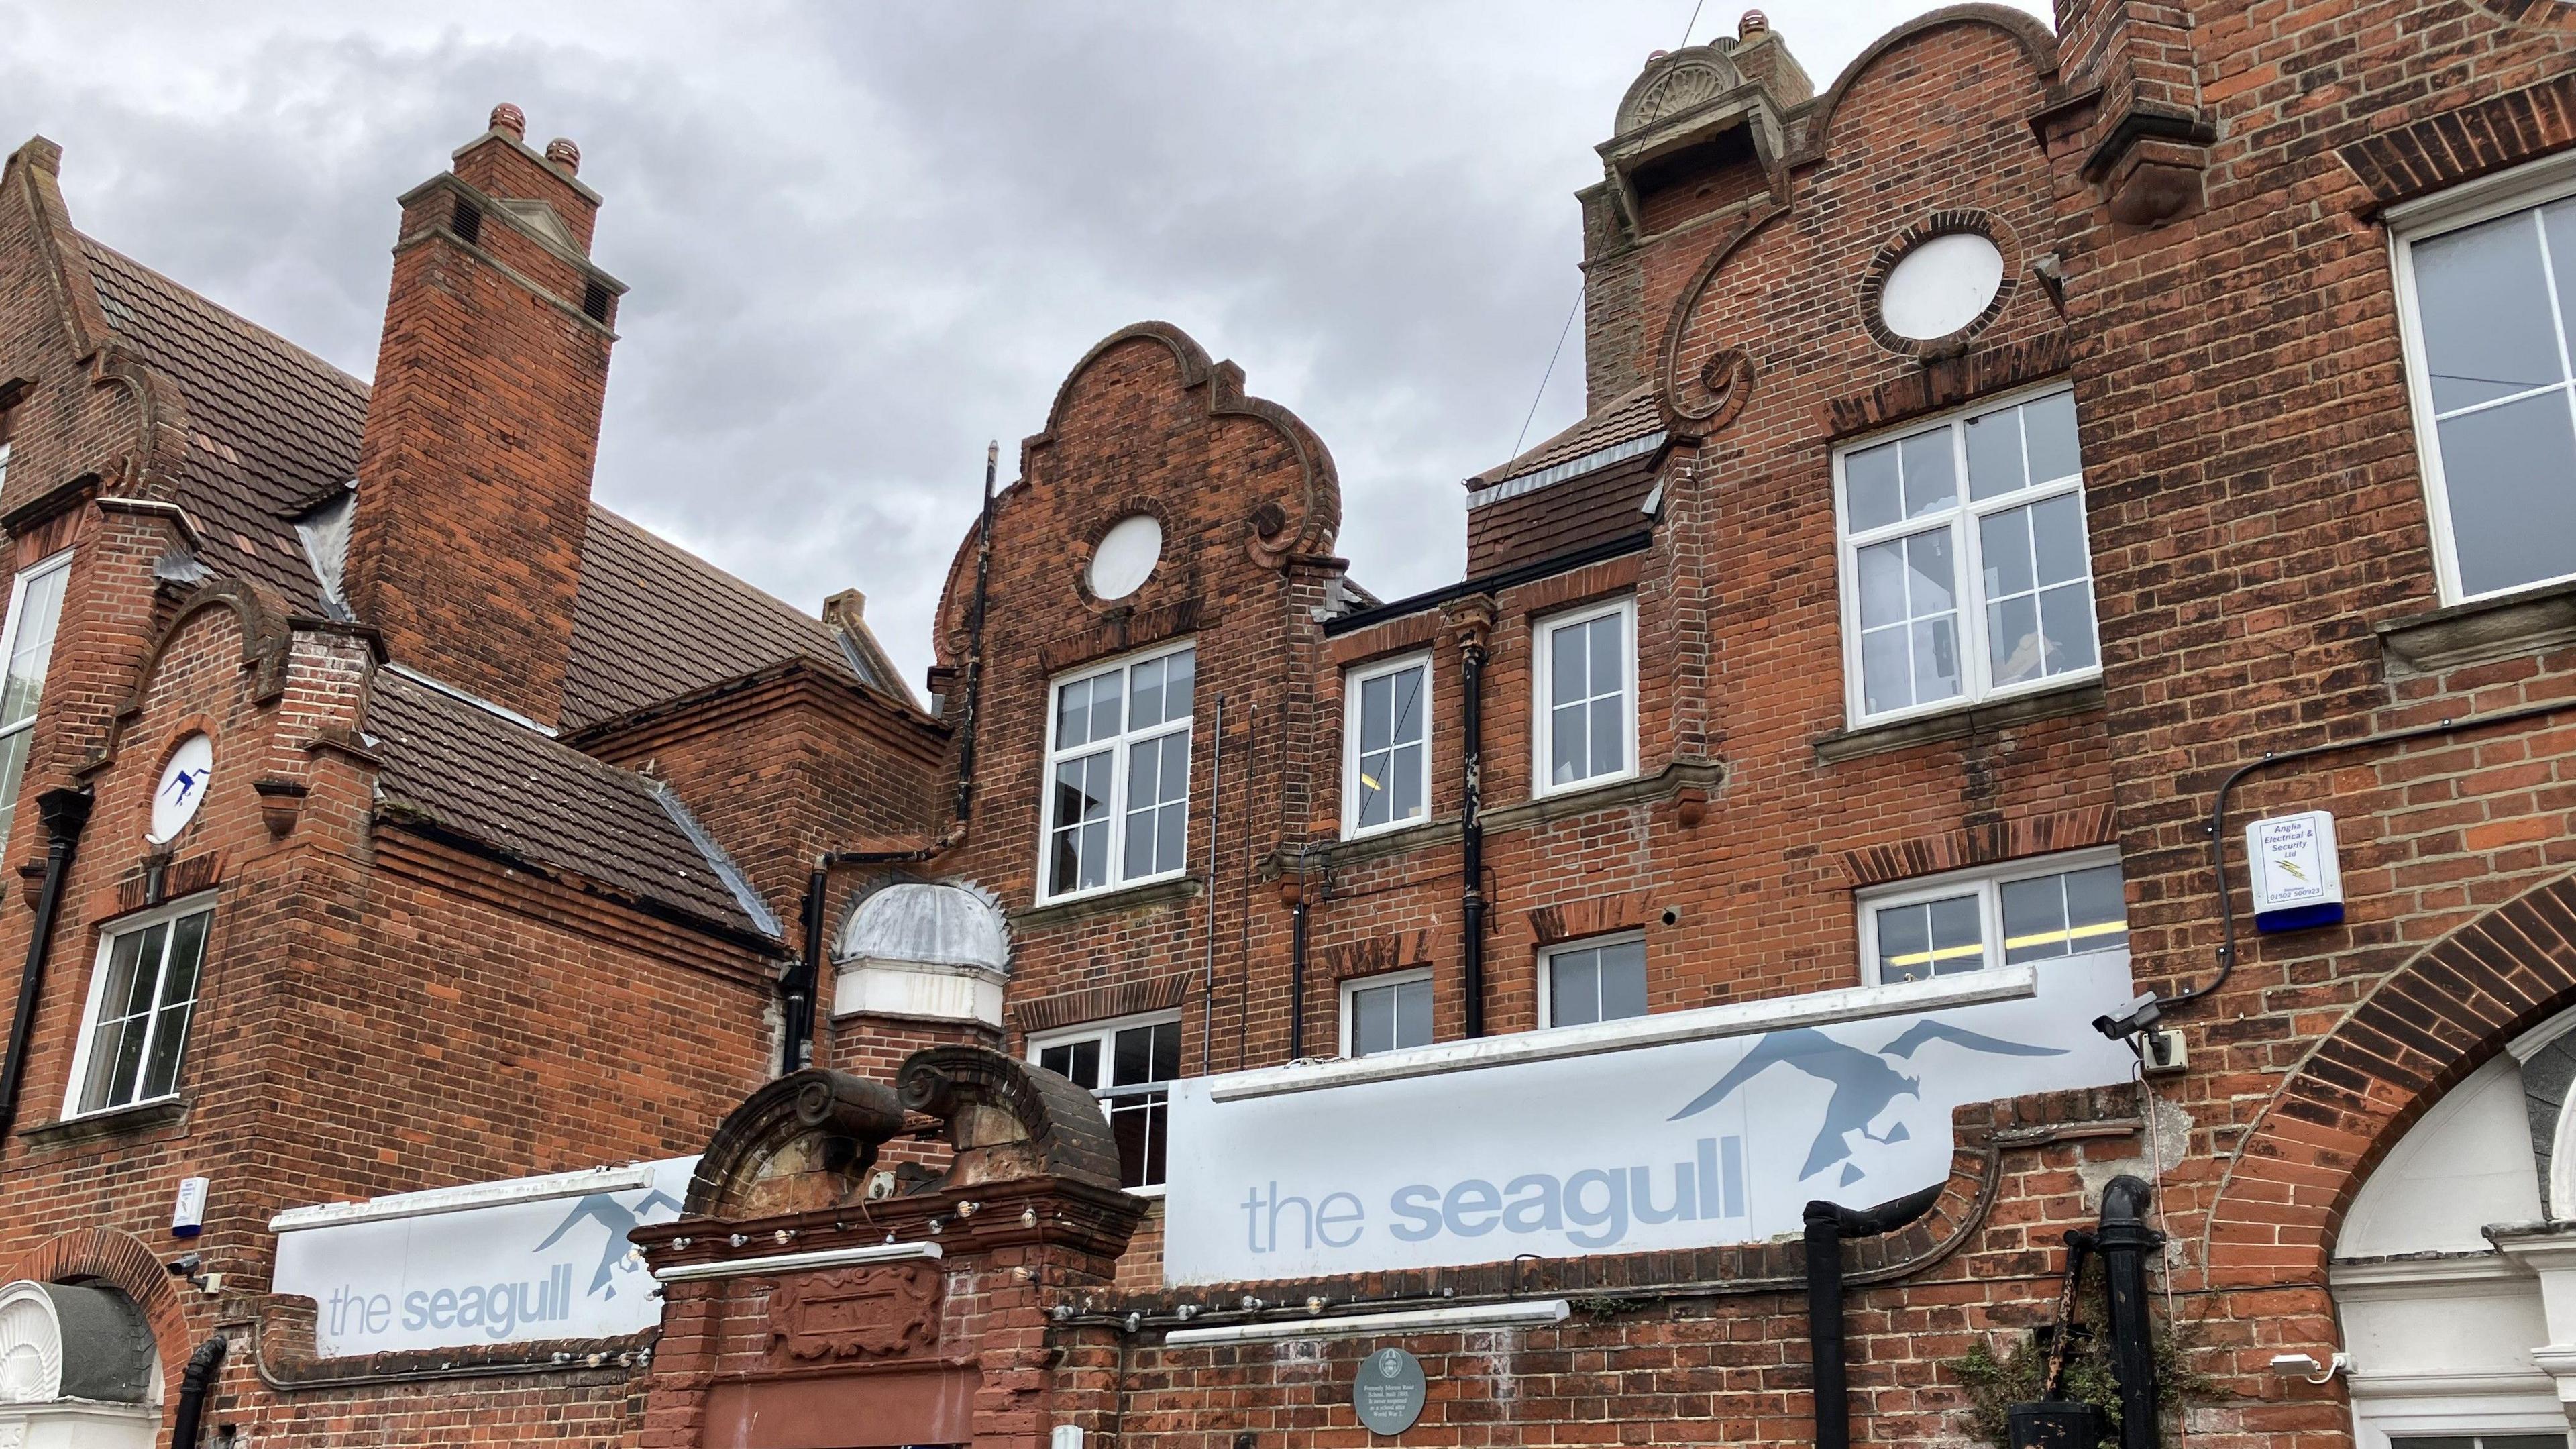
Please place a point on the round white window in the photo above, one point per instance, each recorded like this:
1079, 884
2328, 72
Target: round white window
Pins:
1941, 286
1126, 557
183, 787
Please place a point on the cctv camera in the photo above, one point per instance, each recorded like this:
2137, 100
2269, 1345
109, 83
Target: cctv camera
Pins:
186, 1265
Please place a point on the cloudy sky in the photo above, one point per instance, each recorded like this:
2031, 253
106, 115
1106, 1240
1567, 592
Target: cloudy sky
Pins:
865, 238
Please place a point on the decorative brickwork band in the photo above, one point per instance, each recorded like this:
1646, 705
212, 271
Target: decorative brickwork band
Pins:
1100, 1003
2455, 146
1981, 845
1947, 382
2427, 1026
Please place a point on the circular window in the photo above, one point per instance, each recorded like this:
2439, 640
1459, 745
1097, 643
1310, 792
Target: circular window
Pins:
1125, 557
183, 787
1941, 285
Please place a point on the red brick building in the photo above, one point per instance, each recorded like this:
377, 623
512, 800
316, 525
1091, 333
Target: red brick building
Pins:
357, 770
2009, 470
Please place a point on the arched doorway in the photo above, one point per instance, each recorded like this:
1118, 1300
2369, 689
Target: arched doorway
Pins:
78, 1369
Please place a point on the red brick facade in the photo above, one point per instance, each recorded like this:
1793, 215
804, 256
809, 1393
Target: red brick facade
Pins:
2193, 215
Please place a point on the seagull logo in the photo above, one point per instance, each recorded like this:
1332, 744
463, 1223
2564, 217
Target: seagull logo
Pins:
619, 1219
1864, 1083
183, 783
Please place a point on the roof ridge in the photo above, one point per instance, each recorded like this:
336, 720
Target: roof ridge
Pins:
361, 386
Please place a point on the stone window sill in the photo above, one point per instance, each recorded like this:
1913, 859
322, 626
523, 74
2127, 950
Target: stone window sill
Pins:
1959, 724
2529, 622
1108, 903
1567, 804
99, 1126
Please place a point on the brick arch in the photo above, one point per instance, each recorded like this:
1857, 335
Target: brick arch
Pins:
126, 1263
2038, 47
2423, 1029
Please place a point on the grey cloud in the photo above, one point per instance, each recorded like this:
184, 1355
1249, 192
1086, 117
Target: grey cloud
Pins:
864, 239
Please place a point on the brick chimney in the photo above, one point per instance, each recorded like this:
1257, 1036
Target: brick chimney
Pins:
474, 473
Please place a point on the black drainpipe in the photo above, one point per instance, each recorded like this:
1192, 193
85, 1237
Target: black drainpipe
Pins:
1828, 1224
2124, 1240
1297, 964
65, 813
194, 1384
1471, 835
805, 977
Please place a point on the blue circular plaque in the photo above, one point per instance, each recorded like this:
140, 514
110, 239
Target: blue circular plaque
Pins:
1389, 1391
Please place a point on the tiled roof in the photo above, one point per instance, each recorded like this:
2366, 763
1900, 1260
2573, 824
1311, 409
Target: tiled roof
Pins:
274, 428
1626, 420
465, 769
271, 425
277, 427
654, 621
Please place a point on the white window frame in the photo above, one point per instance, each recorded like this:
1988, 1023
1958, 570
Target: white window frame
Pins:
1547, 972
1105, 1032
2524, 187
108, 937
1543, 718
1352, 680
1967, 551
1380, 980
1119, 751
17, 618
1986, 882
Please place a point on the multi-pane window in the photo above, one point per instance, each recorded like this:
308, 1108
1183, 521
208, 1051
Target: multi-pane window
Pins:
2031, 911
1386, 733
2491, 303
141, 995
8, 417
2478, 1441
1118, 770
1587, 684
35, 608
1964, 564
1386, 1013
1128, 1066
1595, 981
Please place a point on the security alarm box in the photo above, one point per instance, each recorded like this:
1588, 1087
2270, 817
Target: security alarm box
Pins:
2297, 881
188, 1214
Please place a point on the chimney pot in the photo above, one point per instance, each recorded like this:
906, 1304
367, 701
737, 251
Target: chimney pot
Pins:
565, 154
510, 121
1655, 55
1753, 23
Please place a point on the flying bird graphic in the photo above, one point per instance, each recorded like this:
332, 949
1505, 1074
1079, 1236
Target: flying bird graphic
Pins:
615, 1216
1864, 1084
184, 784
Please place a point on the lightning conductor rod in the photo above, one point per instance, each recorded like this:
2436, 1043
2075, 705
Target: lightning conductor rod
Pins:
975, 642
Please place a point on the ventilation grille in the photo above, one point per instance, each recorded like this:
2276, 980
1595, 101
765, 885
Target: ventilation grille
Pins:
468, 222
594, 303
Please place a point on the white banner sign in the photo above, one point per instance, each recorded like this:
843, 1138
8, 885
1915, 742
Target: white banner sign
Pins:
1694, 1140
496, 1262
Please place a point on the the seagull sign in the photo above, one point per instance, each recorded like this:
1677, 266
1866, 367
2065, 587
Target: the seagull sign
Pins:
1646, 1135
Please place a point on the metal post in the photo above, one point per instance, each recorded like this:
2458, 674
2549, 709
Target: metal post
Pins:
2124, 1241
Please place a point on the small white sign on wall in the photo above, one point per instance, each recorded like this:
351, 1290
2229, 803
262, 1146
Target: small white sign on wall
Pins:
2296, 878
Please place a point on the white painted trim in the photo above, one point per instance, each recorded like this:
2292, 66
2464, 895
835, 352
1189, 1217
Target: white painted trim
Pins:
1353, 986
1547, 974
465, 1196
1967, 557
1543, 719
1352, 679
1529, 1313
1119, 746
793, 1262
2520, 189
1571, 468
1817, 1008
108, 936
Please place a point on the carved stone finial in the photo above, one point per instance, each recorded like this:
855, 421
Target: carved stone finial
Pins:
1008, 1119
565, 154
1753, 24
510, 121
